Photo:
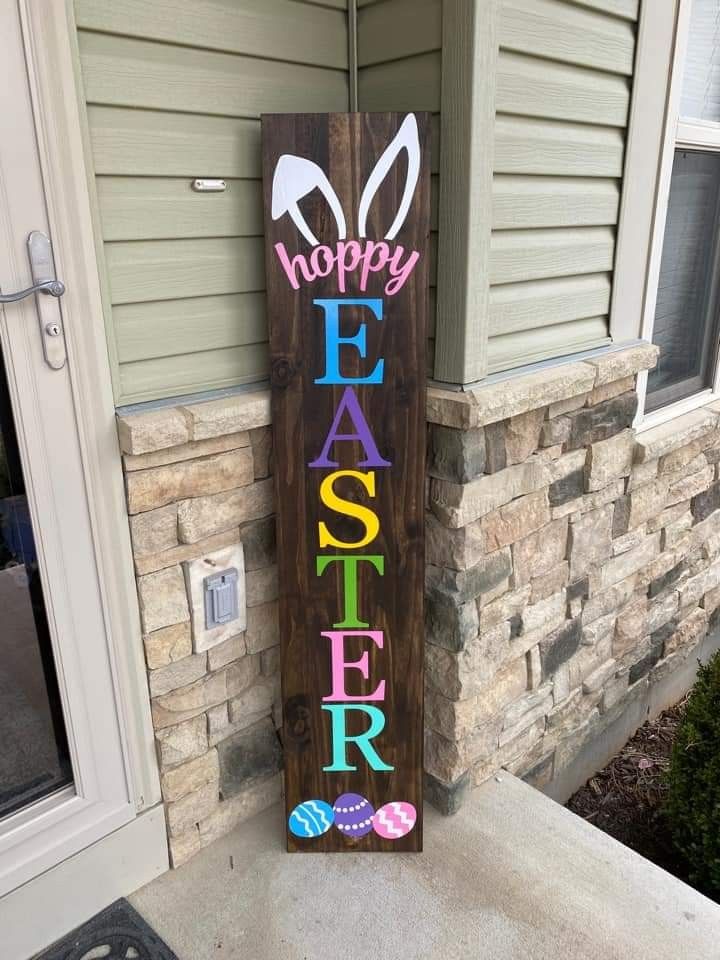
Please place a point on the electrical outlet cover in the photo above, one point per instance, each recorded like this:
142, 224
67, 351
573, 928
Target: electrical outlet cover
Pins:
196, 572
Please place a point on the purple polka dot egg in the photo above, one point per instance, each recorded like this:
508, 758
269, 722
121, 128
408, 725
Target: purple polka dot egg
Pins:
353, 815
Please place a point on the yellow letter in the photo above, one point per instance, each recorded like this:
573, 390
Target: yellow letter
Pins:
363, 514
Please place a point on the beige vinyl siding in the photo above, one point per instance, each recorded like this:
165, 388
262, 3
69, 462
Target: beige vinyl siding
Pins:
562, 98
174, 91
399, 64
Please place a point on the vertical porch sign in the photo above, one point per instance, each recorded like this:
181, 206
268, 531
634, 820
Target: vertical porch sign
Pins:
347, 209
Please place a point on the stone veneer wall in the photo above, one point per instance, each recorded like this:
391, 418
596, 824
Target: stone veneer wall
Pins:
198, 484
570, 566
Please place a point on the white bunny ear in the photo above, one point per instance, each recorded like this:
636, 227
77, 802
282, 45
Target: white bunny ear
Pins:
405, 139
294, 178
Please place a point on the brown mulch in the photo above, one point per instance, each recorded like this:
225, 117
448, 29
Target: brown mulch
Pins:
625, 798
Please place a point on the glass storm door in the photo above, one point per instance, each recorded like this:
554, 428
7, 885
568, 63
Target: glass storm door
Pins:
64, 772
34, 756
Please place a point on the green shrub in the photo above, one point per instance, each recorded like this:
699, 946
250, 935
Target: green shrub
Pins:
693, 803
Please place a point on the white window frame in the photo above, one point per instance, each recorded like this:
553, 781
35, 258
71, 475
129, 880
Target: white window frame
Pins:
660, 53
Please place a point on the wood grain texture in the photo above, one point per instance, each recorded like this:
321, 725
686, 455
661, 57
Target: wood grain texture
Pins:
515, 307
138, 73
646, 134
127, 142
409, 84
347, 147
559, 340
165, 328
626, 9
528, 202
557, 30
173, 269
563, 84
174, 91
193, 372
534, 254
555, 148
398, 29
468, 112
529, 86
277, 29
154, 208
399, 52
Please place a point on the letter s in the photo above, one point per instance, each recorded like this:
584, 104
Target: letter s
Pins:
366, 516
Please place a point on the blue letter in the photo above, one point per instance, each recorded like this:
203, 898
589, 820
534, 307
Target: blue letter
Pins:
333, 341
340, 738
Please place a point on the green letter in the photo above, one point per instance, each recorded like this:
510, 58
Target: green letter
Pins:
350, 576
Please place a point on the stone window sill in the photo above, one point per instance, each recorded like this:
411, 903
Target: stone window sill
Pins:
496, 401
671, 412
168, 426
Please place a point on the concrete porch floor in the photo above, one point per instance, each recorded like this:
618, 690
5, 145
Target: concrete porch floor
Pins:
513, 875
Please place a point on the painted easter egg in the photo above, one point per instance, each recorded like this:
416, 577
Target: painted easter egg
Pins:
353, 814
394, 820
311, 818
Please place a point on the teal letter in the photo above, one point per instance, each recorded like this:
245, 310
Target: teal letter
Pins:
333, 341
340, 738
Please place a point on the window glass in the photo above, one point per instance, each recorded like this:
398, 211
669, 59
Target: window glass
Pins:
701, 76
34, 757
685, 312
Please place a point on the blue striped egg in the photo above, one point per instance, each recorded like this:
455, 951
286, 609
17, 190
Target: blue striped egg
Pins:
311, 818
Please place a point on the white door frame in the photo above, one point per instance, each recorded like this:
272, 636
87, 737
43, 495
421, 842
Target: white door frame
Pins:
52, 65
113, 752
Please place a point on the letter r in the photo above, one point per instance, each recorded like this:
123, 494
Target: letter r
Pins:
340, 738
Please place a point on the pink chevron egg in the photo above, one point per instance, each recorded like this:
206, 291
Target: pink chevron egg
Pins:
394, 820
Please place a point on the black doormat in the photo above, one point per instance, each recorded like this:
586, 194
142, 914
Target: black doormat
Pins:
118, 933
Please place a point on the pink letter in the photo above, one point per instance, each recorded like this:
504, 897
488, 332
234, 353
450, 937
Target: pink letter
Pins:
338, 664
369, 266
327, 255
290, 266
400, 272
345, 263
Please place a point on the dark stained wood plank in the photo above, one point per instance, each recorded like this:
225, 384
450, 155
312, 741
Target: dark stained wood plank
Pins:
347, 147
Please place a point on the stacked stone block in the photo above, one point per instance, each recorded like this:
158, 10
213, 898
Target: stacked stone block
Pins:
199, 496
570, 565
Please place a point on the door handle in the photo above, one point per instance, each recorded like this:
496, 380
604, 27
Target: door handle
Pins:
45, 281
55, 288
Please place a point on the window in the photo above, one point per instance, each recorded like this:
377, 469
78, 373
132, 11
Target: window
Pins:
681, 309
685, 309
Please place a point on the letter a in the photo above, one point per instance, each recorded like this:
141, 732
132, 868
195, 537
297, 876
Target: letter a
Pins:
349, 404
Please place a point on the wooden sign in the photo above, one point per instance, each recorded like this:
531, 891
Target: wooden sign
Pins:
347, 208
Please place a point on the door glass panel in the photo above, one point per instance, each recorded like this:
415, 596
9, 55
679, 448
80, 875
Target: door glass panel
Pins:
34, 759
685, 313
701, 76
